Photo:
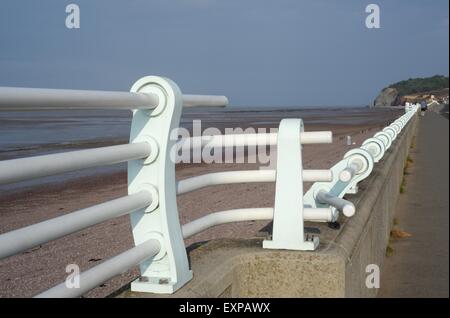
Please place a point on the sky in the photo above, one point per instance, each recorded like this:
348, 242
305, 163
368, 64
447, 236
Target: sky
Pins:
256, 52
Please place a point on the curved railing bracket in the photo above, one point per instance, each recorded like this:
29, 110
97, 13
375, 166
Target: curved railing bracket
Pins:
170, 271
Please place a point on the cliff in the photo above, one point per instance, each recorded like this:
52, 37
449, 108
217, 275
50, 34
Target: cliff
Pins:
413, 90
387, 97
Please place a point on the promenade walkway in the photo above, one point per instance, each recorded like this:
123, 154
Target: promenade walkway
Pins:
419, 265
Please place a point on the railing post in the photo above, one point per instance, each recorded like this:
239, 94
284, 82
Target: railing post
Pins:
357, 155
169, 270
288, 228
338, 188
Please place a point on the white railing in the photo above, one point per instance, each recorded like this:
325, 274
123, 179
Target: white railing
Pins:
356, 165
160, 251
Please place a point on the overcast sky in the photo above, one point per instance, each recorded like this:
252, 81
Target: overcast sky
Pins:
287, 53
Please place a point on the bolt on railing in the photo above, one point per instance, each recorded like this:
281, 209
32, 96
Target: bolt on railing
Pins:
340, 204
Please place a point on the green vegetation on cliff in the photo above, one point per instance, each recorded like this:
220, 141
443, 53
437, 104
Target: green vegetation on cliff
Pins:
420, 85
414, 90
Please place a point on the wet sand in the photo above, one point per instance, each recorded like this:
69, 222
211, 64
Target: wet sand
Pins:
42, 267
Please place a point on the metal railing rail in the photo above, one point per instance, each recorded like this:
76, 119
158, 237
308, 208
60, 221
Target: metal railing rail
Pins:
16, 170
106, 270
18, 98
27, 237
152, 189
243, 176
241, 140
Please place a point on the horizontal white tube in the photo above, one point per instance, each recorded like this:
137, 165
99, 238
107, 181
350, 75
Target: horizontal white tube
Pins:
229, 216
41, 166
204, 100
317, 175
240, 140
342, 205
352, 169
245, 176
105, 271
316, 137
252, 214
27, 237
17, 98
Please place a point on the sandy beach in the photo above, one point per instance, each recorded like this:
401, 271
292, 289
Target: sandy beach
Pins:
42, 267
